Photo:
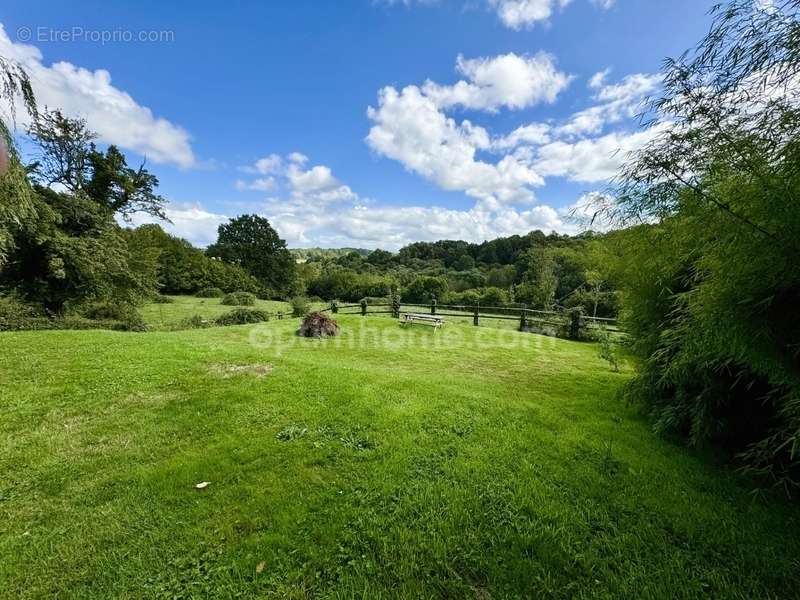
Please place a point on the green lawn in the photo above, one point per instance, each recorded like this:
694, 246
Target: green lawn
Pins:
166, 316
386, 463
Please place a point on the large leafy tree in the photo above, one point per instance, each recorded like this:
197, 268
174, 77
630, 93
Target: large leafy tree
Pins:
250, 241
712, 288
60, 247
73, 252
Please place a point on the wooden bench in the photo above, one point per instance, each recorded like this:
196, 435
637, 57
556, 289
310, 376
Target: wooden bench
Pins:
411, 318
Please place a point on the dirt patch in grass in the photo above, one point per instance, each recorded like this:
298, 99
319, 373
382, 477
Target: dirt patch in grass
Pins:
226, 371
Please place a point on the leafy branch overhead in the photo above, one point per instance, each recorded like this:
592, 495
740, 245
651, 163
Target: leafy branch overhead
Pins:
67, 156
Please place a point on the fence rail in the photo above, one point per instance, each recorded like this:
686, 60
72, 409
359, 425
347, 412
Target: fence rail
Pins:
527, 317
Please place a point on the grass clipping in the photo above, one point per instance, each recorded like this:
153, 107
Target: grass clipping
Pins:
318, 325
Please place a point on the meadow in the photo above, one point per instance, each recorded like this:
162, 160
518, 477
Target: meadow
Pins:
468, 463
182, 308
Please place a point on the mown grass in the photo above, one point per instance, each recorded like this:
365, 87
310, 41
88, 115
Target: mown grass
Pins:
385, 463
172, 315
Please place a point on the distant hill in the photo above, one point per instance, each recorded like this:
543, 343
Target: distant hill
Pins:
304, 254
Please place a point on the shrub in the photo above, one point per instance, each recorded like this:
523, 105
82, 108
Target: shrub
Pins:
350, 286
80, 322
16, 315
466, 298
492, 296
607, 348
163, 299
318, 325
300, 306
210, 292
239, 299
124, 316
243, 316
195, 322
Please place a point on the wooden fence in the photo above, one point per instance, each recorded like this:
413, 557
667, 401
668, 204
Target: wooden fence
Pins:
526, 317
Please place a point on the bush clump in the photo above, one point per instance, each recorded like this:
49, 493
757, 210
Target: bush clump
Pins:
239, 299
318, 325
77, 322
243, 316
117, 315
15, 315
195, 322
607, 348
163, 299
210, 292
300, 306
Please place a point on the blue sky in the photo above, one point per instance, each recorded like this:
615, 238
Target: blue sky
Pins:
360, 123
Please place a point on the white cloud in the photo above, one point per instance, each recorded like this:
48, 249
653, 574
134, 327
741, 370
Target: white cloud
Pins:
315, 179
519, 14
531, 134
314, 208
507, 80
616, 102
112, 113
189, 221
265, 166
297, 157
315, 185
260, 184
317, 209
409, 127
361, 225
590, 160
598, 79
393, 227
524, 14
631, 89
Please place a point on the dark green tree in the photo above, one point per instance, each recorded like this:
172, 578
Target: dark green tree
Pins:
422, 289
72, 252
184, 269
250, 241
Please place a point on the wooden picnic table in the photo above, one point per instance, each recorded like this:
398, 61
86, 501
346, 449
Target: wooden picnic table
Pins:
410, 318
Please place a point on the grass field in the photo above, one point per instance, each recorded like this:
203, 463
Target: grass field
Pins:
168, 316
386, 463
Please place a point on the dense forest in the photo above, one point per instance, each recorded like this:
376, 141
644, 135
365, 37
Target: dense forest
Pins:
703, 265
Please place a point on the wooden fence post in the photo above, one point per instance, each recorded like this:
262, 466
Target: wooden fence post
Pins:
523, 321
364, 308
433, 305
475, 316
